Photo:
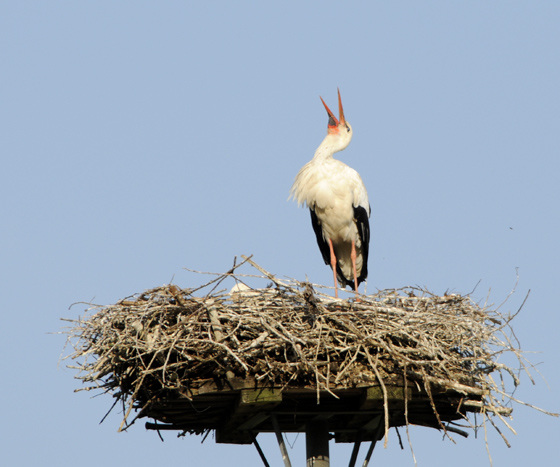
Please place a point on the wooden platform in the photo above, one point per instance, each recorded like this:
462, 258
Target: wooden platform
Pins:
242, 410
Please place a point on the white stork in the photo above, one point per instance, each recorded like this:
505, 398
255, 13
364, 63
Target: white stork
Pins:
338, 202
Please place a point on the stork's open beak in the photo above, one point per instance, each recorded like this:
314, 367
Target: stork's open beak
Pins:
340, 110
333, 121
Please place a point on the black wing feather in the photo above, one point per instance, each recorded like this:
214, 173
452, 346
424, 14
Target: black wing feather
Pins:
323, 245
361, 217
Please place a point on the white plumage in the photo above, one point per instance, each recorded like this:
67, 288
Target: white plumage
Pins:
338, 203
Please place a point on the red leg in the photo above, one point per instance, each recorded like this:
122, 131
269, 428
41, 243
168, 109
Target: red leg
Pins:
333, 266
353, 256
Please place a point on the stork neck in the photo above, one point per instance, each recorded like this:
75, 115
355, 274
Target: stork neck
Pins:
325, 150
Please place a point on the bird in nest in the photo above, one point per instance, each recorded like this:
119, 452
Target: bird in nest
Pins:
338, 202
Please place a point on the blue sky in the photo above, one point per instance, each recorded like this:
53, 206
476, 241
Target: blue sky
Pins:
141, 138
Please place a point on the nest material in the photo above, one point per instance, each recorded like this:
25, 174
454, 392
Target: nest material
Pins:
168, 342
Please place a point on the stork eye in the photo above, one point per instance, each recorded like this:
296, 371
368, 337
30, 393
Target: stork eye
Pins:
347, 128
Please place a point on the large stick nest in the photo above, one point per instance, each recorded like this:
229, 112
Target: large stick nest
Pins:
167, 342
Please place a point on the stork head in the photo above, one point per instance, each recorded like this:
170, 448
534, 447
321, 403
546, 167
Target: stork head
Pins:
338, 129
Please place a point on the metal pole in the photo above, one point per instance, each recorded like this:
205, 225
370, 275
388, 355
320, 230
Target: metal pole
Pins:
372, 445
280, 439
356, 449
317, 443
260, 451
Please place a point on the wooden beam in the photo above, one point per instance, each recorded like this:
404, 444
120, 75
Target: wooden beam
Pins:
366, 420
253, 407
373, 396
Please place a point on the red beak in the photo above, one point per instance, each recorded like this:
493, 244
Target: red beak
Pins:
333, 121
340, 110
